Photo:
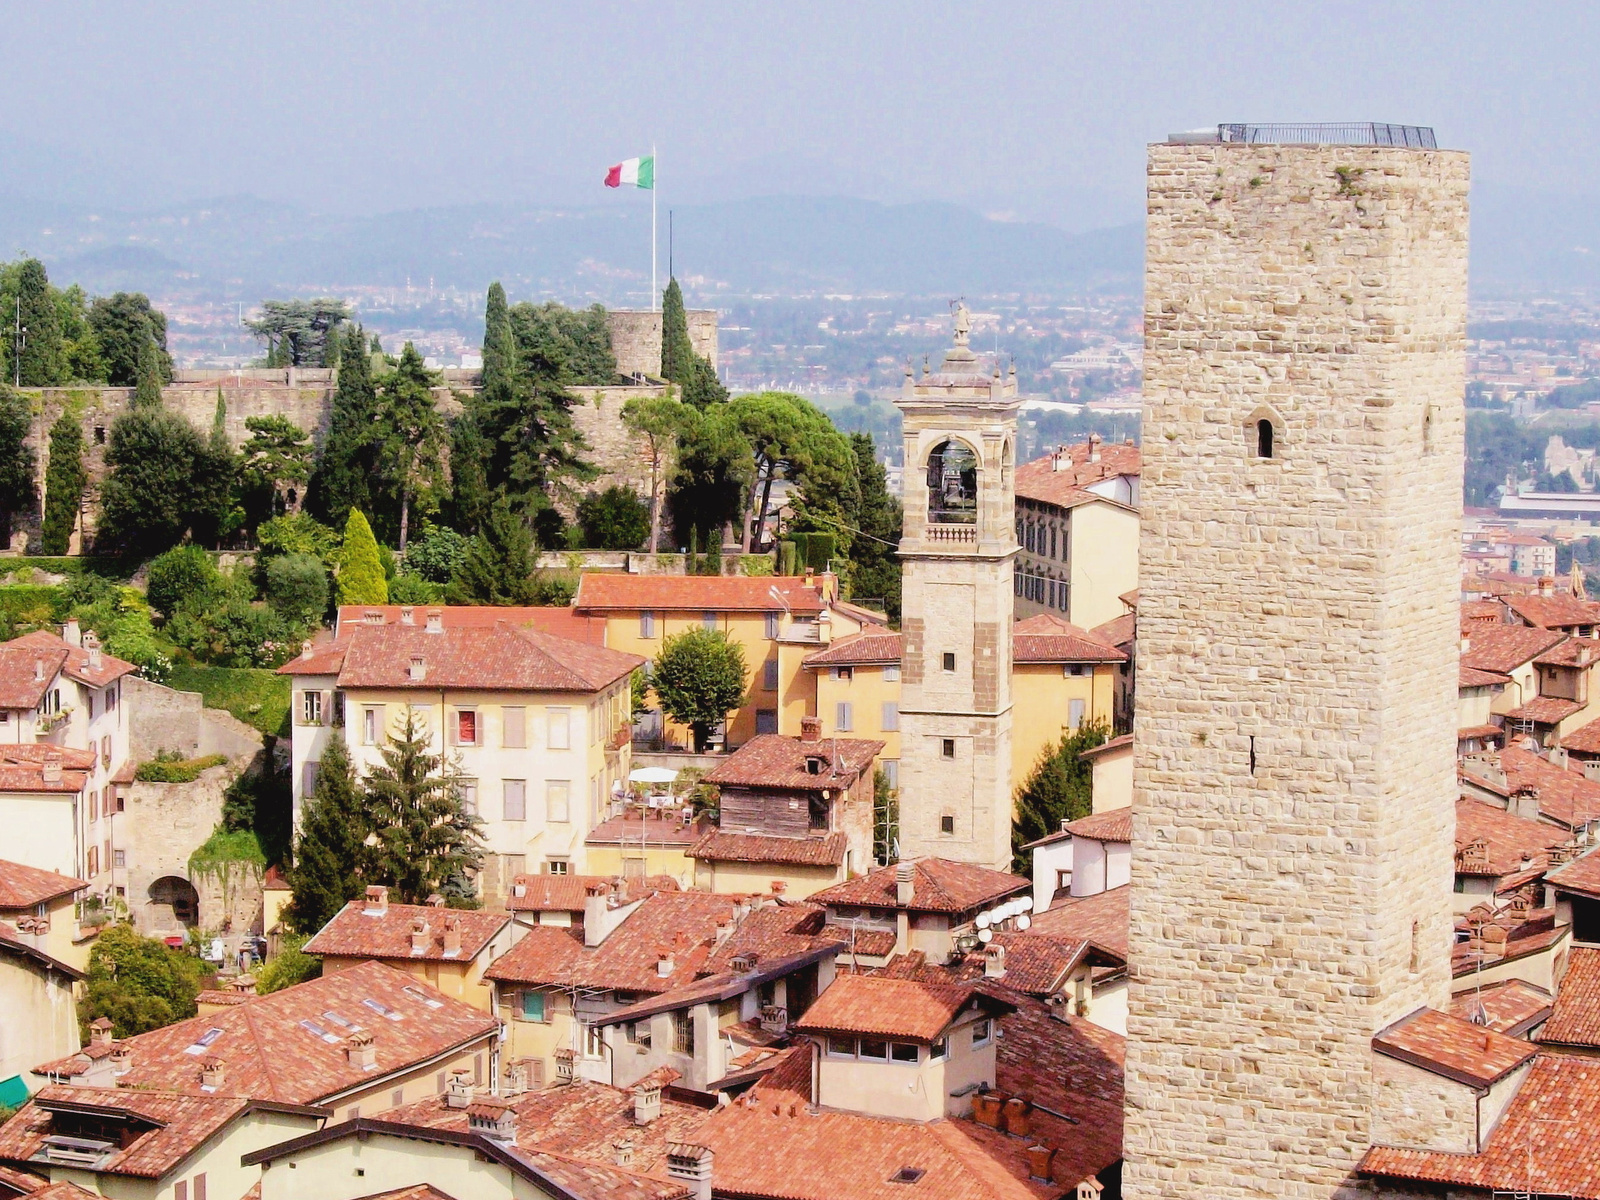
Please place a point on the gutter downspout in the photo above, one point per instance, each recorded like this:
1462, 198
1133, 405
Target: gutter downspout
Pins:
816, 1072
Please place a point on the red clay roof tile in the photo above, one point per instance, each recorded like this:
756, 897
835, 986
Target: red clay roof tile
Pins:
1101, 918
23, 886
1048, 639
773, 760
1575, 1016
1510, 1006
600, 591
1452, 1047
356, 931
874, 644
902, 1008
503, 657
826, 850
938, 885
1504, 648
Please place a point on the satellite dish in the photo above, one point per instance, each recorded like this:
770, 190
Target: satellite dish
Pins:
1025, 904
983, 920
985, 936
1024, 921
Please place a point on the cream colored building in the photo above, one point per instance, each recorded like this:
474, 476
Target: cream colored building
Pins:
38, 997
535, 727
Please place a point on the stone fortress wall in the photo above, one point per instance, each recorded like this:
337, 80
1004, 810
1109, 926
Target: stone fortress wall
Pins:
305, 396
1294, 771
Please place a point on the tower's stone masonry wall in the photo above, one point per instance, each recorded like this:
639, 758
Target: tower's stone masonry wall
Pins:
1294, 772
636, 337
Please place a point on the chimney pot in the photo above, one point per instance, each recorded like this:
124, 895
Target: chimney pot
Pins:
421, 937
91, 644
690, 1165
452, 937
646, 1103
904, 883
435, 621
458, 1091
994, 961
810, 729
1015, 1113
779, 886
435, 900
100, 1031
69, 632
305, 648
1040, 1160
38, 670
50, 772
361, 1052
419, 669
377, 901
407, 615
212, 1074
664, 964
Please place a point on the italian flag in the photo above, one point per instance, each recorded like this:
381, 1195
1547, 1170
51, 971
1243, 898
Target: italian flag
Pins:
633, 172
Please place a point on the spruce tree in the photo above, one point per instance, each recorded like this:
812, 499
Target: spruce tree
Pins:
343, 476
499, 566
326, 874
16, 459
423, 834
147, 393
361, 579
41, 363
64, 481
677, 355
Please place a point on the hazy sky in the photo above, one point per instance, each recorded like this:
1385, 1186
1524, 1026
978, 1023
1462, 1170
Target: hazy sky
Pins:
1040, 111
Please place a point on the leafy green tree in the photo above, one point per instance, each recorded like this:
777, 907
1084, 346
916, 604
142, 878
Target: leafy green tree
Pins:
437, 555
152, 494
276, 461
183, 574
699, 678
410, 436
349, 458
562, 345
361, 578
289, 967
297, 590
297, 533
677, 353
876, 517
81, 360
122, 324
138, 982
422, 833
330, 850
17, 464
298, 333
1059, 788
615, 519
40, 363
147, 391
498, 567
712, 468
657, 422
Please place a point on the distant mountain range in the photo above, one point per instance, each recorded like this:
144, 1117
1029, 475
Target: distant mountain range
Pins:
242, 248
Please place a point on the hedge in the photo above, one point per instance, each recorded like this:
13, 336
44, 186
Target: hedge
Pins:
161, 769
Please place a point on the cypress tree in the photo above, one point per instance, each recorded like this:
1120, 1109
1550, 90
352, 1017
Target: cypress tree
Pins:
64, 481
499, 566
702, 388
470, 499
677, 355
42, 357
343, 474
16, 459
361, 578
499, 343
147, 394
326, 874
216, 470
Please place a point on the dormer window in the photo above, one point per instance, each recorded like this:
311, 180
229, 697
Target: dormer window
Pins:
813, 765
952, 485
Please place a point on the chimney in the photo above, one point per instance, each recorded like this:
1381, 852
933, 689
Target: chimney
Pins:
421, 936
622, 1151
458, 1092
1525, 802
244, 985
305, 648
121, 1058
419, 669
91, 643
774, 1018
38, 670
1466, 642
435, 621
435, 900
407, 616
100, 1031
691, 1166
780, 886
1591, 769
1040, 1160
70, 634
1015, 1116
1094, 447
724, 932
377, 902
1089, 1188
494, 1118
1065, 821
51, 771
1547, 585
596, 906
360, 1051
665, 964
904, 887
1060, 460
1558, 756
212, 1073
452, 937
994, 961
810, 729
646, 1103
373, 616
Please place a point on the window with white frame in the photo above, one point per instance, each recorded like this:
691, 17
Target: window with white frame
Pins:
515, 793
982, 1032
891, 673
371, 725
513, 727
466, 727
559, 721
311, 708
558, 800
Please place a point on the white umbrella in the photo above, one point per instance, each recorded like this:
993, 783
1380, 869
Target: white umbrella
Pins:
651, 775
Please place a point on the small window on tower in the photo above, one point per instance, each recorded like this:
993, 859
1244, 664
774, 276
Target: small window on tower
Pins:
947, 824
947, 747
949, 662
1264, 438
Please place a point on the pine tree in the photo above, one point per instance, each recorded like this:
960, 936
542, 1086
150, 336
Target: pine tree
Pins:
17, 461
361, 578
470, 499
1059, 788
147, 394
499, 567
343, 476
410, 436
64, 481
677, 354
326, 874
41, 361
424, 836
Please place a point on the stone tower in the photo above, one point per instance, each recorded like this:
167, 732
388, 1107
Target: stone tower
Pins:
957, 548
1294, 767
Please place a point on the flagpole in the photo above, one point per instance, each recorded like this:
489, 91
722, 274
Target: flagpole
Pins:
655, 294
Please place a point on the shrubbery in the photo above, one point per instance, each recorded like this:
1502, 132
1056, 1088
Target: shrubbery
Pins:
168, 766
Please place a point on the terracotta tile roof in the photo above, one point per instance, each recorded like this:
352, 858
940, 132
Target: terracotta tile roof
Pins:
599, 591
1482, 612
552, 893
1101, 918
562, 622
1545, 710
76, 665
874, 644
165, 1127
823, 851
1119, 631
682, 923
1574, 652
1113, 826
1506, 839
67, 1190
1048, 639
1482, 731
325, 659
417, 1191
290, 1046
1555, 612
23, 886
1556, 1111
22, 1183
222, 997
1472, 677
1575, 1016
629, 829
357, 932
1452, 1047
868, 943
1585, 739
1040, 481
1034, 965
772, 760
902, 1008
1116, 743
1524, 936
1510, 1006
1579, 875
502, 657
1506, 647
22, 767
1566, 796
938, 885
777, 931
21, 685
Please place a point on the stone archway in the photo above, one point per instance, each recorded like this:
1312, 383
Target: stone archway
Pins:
173, 905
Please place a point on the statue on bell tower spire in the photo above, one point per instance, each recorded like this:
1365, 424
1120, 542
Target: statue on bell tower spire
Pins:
963, 322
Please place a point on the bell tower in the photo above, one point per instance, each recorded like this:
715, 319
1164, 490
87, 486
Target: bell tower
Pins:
957, 548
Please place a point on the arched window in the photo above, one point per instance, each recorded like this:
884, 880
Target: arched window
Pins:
952, 485
1264, 438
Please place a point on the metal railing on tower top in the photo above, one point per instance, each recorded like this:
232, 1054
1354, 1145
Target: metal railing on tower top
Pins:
1358, 133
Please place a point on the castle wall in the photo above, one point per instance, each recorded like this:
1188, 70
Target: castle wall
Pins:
636, 337
1294, 773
